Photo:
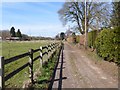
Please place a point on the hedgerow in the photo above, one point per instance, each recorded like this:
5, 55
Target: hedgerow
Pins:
108, 44
91, 38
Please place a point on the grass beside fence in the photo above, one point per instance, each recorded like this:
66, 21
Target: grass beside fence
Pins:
44, 79
10, 49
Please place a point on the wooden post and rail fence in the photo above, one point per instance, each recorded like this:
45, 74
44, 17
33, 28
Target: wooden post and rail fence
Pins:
43, 50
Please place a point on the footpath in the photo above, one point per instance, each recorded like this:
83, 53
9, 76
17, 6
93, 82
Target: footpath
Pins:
75, 70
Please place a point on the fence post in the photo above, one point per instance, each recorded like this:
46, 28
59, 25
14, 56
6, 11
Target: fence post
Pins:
2, 82
53, 47
47, 52
31, 65
50, 47
41, 58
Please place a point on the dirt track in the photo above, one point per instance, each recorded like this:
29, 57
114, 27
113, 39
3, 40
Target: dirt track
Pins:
79, 71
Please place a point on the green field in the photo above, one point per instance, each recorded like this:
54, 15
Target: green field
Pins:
10, 49
0, 48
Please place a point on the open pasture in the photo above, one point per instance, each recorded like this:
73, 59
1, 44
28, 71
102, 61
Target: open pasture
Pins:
13, 48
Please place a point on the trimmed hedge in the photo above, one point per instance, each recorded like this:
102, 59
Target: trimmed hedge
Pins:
108, 44
91, 38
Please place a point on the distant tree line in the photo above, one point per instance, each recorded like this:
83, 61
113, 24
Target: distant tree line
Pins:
12, 33
40, 38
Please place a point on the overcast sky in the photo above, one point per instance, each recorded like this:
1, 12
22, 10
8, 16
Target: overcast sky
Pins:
32, 18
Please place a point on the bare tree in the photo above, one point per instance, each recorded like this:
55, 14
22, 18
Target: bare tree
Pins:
97, 15
4, 34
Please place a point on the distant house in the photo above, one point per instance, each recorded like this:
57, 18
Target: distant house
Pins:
0, 38
13, 38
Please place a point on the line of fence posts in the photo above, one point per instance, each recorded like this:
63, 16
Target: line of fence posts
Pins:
49, 48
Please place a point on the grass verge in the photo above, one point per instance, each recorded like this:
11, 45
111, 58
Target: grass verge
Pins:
44, 79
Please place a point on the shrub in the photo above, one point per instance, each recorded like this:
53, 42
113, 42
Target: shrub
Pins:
74, 37
108, 44
77, 39
91, 38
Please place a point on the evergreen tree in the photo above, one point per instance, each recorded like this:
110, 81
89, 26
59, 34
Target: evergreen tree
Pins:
12, 32
18, 34
62, 35
116, 14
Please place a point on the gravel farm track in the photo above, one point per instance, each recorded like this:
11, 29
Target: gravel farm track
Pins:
81, 71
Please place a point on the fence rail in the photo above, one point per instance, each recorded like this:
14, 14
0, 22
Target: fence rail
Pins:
12, 59
45, 50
